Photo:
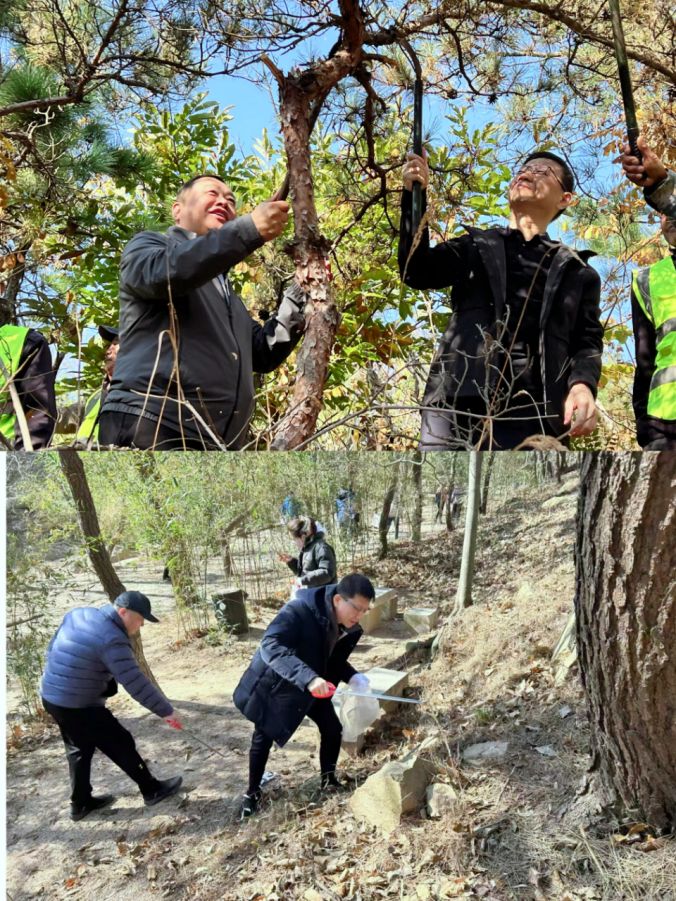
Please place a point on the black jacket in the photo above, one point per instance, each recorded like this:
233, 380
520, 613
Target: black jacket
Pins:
219, 344
474, 266
295, 649
316, 563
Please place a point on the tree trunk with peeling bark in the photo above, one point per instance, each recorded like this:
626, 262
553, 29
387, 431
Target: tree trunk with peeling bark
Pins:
625, 606
301, 96
74, 471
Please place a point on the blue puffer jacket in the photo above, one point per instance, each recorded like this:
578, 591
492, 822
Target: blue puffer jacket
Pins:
295, 649
90, 648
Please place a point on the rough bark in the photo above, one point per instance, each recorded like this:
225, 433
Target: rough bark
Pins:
463, 597
449, 492
416, 525
301, 95
625, 605
487, 481
385, 512
74, 471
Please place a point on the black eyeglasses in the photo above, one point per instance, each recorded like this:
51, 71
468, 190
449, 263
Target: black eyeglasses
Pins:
539, 171
360, 610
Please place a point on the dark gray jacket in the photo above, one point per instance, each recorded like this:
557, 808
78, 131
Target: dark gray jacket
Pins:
219, 346
316, 563
89, 650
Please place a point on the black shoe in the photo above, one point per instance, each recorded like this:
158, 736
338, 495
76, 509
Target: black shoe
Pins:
249, 805
80, 811
330, 784
165, 788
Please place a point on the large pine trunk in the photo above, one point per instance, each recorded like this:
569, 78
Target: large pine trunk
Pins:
625, 605
74, 471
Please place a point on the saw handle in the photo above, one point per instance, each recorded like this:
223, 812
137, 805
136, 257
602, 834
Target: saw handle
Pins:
418, 149
331, 692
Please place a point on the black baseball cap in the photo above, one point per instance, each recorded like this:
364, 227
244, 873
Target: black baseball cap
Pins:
109, 333
139, 603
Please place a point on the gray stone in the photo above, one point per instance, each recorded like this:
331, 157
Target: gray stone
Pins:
546, 751
556, 501
441, 799
383, 608
422, 619
386, 598
397, 788
485, 750
387, 682
371, 620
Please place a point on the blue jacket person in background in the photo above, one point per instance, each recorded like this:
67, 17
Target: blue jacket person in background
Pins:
306, 646
90, 653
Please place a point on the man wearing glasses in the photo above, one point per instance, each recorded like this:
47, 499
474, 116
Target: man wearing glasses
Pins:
521, 354
305, 649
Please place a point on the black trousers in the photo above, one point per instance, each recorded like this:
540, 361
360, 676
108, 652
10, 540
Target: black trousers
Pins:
129, 430
324, 715
83, 731
463, 428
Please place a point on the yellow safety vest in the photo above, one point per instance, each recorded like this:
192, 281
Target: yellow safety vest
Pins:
89, 430
12, 340
655, 290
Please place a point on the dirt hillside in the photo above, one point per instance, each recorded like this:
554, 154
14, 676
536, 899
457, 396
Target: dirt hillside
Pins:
510, 834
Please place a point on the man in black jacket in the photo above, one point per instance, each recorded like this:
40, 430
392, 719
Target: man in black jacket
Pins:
188, 346
305, 647
521, 354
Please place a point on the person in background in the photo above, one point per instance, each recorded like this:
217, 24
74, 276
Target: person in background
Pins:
26, 364
653, 310
347, 515
88, 433
315, 564
290, 508
305, 647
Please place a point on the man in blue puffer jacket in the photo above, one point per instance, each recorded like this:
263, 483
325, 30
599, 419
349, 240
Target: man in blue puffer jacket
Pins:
90, 653
305, 647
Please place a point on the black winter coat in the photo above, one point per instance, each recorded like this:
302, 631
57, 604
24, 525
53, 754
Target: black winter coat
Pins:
474, 265
316, 563
295, 649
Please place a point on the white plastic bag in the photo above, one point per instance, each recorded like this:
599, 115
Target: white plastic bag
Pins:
356, 714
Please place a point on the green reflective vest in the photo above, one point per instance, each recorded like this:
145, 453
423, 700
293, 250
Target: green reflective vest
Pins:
89, 430
12, 340
655, 290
